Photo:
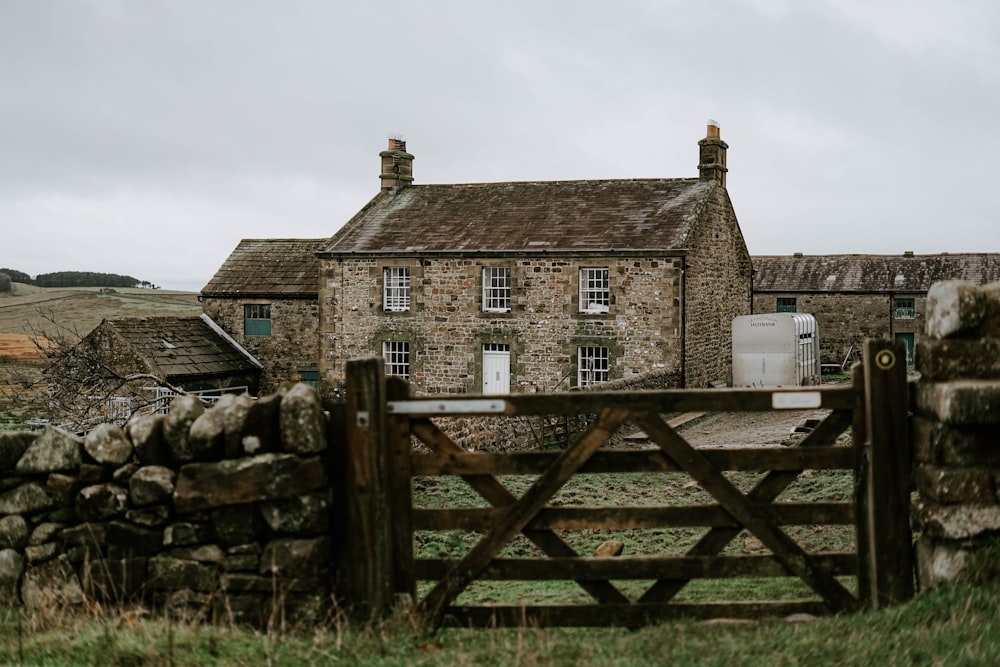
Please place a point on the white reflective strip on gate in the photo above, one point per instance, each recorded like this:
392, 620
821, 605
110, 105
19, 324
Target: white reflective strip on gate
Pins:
445, 407
796, 400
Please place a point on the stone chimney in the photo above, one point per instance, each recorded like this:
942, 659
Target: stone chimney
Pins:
397, 165
712, 156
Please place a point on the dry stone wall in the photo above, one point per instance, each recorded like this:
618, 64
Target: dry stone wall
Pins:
207, 512
957, 435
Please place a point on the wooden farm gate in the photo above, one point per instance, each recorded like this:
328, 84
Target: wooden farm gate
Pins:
379, 569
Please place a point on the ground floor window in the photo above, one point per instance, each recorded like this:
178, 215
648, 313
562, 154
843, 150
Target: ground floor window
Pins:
309, 376
396, 354
592, 365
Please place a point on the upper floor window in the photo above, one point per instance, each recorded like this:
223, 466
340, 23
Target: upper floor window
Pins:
595, 295
496, 289
785, 305
396, 354
396, 288
257, 319
903, 309
592, 365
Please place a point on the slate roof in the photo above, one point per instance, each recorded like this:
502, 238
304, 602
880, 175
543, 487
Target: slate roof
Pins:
870, 273
182, 346
270, 268
638, 214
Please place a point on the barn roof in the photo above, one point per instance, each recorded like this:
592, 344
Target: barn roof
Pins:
183, 346
870, 273
269, 267
593, 215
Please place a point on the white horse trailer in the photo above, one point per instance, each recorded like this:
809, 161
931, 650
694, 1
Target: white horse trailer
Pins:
775, 350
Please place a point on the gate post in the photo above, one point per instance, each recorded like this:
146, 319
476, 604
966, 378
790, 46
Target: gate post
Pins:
885, 542
368, 567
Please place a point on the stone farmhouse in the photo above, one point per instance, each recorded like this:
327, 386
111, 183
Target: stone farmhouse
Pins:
265, 296
854, 297
486, 288
133, 364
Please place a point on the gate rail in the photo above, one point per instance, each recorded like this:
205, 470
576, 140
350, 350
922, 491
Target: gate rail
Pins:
378, 567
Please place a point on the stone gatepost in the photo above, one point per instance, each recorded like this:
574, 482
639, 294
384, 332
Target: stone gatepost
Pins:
956, 435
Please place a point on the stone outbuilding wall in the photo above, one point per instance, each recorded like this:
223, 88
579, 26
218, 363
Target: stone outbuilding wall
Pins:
955, 430
205, 512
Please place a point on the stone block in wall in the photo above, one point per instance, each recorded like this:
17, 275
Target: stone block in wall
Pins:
54, 450
207, 437
939, 561
185, 534
960, 401
25, 499
123, 473
40, 553
13, 444
262, 429
11, 569
167, 573
115, 580
303, 424
47, 531
91, 473
184, 410
955, 485
108, 445
237, 524
100, 502
303, 515
243, 582
13, 532
152, 516
242, 558
51, 585
202, 486
955, 308
294, 558
958, 358
146, 434
89, 535
203, 553
991, 322
959, 445
234, 416
150, 485
62, 488
134, 540
959, 521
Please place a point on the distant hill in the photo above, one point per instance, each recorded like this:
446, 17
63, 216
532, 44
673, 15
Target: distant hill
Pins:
77, 279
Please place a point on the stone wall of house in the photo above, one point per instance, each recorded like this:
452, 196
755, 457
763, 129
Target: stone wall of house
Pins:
847, 319
716, 289
222, 513
955, 443
293, 345
447, 328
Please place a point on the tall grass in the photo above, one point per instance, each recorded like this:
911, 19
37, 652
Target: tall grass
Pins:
950, 626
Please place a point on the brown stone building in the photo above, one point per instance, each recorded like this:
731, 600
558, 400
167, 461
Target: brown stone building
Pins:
134, 364
854, 297
537, 286
265, 296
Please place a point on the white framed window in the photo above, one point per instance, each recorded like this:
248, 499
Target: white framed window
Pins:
592, 365
496, 289
396, 354
595, 296
904, 309
396, 288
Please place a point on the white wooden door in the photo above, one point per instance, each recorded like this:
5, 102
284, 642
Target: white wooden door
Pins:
496, 368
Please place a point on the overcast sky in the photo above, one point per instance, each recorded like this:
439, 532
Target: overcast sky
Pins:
148, 137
